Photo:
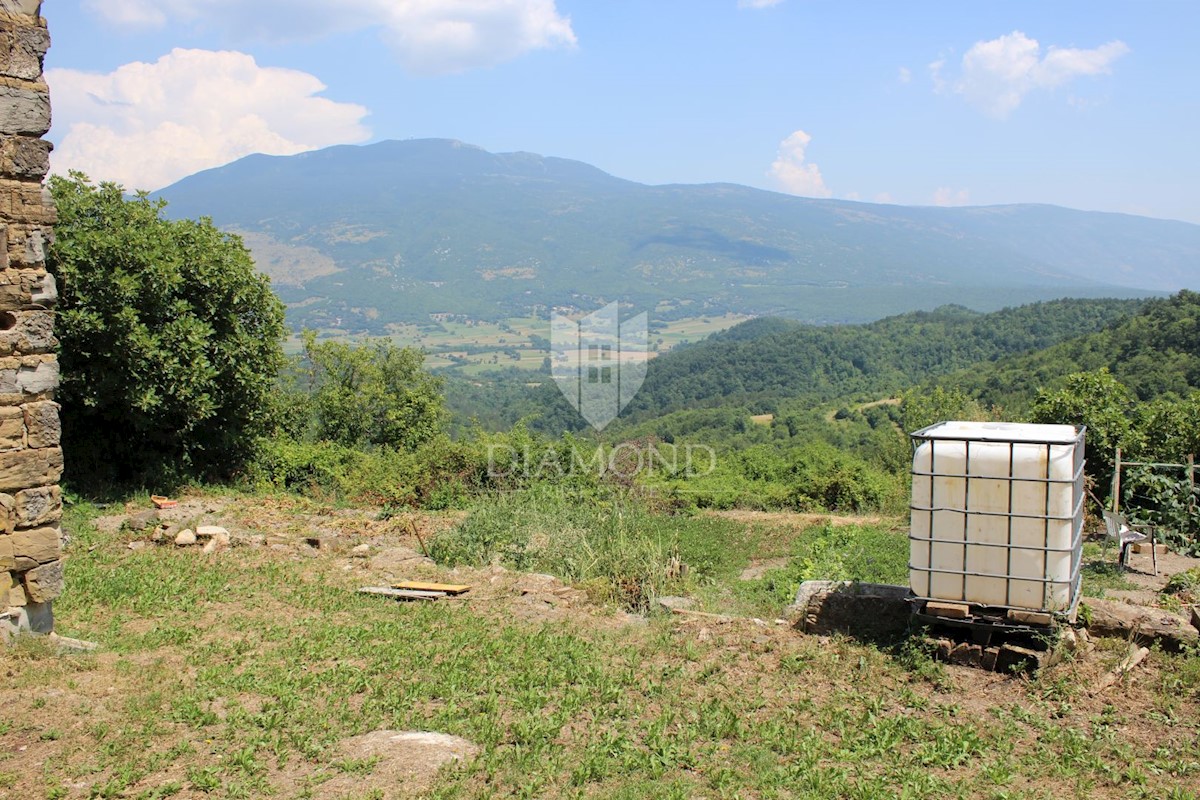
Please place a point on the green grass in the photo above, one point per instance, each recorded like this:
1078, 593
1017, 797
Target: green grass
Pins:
620, 550
236, 676
867, 553
1185, 584
1101, 573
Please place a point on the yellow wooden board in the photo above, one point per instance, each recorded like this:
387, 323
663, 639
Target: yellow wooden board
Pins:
426, 586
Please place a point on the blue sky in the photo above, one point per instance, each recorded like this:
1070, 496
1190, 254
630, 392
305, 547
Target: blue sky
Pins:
1086, 104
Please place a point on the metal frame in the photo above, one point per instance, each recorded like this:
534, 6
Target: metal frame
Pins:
1075, 549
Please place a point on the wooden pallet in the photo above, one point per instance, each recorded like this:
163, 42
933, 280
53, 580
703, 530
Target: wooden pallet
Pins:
429, 586
416, 590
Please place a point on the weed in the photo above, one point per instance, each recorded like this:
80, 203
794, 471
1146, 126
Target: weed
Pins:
867, 553
1185, 586
1100, 576
620, 551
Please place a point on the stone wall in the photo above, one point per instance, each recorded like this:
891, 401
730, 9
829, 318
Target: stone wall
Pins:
31, 459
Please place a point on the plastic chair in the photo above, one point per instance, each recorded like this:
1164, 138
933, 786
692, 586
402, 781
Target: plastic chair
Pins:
1120, 531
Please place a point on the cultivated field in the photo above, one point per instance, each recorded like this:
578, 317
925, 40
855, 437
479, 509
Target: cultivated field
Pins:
477, 346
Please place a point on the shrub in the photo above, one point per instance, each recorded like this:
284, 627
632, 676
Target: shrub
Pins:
374, 394
170, 342
313, 468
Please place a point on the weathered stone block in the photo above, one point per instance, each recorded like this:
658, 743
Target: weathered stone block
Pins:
38, 544
44, 583
8, 561
23, 201
1035, 618
21, 50
38, 379
16, 594
967, 654
18, 246
28, 8
24, 111
44, 291
22, 468
39, 506
30, 332
8, 513
12, 428
990, 655
25, 157
35, 247
42, 425
865, 610
1014, 658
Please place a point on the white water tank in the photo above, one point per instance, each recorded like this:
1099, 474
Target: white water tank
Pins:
997, 514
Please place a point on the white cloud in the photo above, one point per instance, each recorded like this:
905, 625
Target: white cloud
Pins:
905, 75
792, 172
758, 3
147, 125
935, 75
998, 74
427, 36
945, 196
884, 197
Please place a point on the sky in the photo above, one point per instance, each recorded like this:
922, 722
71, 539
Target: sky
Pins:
1090, 105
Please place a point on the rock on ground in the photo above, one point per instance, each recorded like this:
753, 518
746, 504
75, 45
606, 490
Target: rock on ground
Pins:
407, 761
1139, 623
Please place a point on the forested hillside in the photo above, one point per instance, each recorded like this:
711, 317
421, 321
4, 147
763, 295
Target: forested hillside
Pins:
779, 362
764, 363
1154, 352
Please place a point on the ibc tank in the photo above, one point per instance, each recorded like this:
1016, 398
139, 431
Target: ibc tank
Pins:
997, 514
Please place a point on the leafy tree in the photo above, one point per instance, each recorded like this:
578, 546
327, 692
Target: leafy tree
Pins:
1170, 428
376, 394
923, 407
1105, 406
170, 341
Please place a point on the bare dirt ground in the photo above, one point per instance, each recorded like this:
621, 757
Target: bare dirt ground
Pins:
366, 549
1140, 571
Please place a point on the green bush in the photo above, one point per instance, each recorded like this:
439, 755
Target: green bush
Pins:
1106, 407
314, 468
1165, 500
373, 394
810, 477
170, 342
1185, 584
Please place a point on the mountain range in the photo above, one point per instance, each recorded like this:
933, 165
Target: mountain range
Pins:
358, 237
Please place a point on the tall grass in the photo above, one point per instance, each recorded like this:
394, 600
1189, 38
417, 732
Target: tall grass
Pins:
866, 553
620, 550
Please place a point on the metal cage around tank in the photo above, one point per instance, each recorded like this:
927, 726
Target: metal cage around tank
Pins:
986, 550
